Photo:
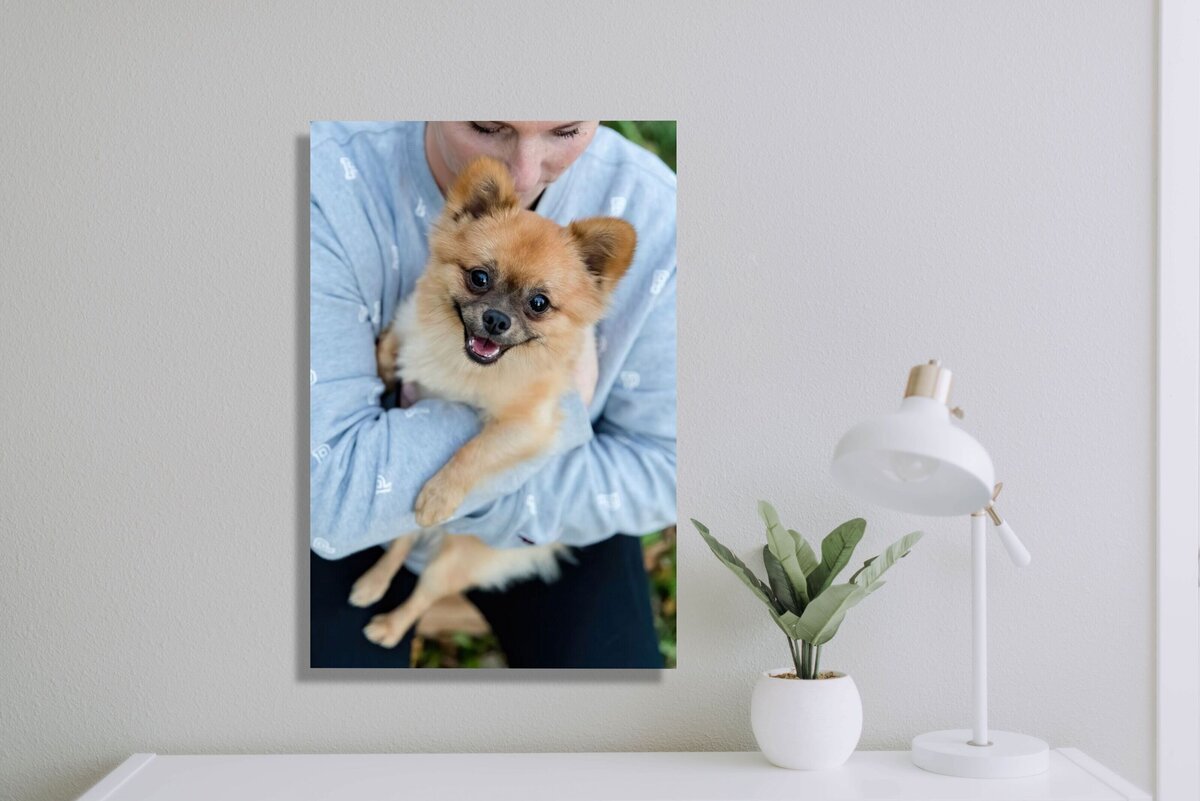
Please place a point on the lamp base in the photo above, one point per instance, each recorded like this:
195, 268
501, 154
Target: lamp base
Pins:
950, 753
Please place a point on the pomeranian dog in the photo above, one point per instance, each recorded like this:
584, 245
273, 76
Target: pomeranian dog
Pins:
497, 321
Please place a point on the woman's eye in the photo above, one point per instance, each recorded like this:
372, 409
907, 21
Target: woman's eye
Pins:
567, 134
539, 304
479, 279
484, 130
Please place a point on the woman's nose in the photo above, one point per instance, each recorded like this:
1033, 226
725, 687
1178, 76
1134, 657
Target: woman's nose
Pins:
525, 166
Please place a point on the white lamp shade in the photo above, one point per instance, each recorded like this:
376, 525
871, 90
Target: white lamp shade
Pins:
917, 461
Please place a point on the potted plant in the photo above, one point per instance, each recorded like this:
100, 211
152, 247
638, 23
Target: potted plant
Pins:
805, 718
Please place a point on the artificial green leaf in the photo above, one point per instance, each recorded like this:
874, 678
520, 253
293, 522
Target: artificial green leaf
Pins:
822, 617
787, 622
778, 579
866, 564
780, 543
878, 565
739, 569
804, 553
783, 547
836, 550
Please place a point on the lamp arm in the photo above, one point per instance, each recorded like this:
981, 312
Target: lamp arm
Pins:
1016, 551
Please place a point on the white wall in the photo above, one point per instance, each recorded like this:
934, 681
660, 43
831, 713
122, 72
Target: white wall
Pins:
863, 186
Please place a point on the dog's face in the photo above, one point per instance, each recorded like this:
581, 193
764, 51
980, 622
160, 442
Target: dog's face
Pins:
514, 287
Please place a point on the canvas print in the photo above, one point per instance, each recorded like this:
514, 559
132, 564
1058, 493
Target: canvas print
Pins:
492, 394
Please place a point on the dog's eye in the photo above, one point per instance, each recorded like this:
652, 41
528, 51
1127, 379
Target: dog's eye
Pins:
539, 303
479, 279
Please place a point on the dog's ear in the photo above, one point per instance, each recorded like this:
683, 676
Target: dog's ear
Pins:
483, 188
606, 245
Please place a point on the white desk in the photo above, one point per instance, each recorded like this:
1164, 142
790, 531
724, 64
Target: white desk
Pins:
695, 776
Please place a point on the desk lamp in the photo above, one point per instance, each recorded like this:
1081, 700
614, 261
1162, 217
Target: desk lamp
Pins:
916, 460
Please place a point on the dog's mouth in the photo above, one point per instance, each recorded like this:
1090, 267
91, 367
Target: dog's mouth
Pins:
482, 350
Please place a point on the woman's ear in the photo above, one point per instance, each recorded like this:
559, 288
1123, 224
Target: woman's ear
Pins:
483, 188
606, 245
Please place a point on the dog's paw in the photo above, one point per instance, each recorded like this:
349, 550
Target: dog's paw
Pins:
383, 631
368, 589
436, 502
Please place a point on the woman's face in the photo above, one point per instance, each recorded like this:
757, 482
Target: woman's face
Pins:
536, 153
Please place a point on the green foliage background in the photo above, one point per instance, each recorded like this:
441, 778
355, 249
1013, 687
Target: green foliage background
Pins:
462, 650
657, 136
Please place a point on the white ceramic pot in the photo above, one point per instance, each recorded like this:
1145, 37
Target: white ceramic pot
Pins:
806, 724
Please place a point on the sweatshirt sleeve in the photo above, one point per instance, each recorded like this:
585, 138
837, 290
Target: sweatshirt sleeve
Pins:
367, 464
623, 480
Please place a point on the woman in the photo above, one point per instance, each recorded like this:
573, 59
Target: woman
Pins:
376, 189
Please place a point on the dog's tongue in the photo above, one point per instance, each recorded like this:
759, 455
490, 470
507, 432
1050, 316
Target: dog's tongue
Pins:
485, 348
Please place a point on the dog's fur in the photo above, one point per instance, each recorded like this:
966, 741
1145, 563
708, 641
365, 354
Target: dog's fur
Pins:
440, 340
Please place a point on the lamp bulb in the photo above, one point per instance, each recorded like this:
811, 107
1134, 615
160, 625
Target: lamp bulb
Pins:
910, 468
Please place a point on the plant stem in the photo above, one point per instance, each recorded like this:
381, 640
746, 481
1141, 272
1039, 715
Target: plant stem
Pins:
795, 654
817, 661
807, 649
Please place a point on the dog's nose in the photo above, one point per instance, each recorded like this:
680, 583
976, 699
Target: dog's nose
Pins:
496, 322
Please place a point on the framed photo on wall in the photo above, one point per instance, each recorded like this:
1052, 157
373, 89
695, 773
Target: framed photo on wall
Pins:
492, 394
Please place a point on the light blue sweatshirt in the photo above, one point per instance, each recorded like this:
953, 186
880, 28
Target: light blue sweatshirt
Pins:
612, 468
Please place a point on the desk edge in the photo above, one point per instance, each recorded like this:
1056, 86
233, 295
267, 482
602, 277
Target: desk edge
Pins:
119, 775
1127, 789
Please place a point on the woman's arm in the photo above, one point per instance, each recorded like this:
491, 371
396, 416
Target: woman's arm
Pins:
367, 464
623, 480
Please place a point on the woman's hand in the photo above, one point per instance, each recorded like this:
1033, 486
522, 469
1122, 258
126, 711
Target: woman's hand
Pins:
587, 369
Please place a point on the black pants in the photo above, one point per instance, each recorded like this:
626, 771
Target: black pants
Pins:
597, 615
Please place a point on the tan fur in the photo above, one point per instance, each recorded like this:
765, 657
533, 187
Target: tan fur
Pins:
518, 395
387, 351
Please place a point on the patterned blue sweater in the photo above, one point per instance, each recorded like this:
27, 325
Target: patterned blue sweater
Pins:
612, 468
